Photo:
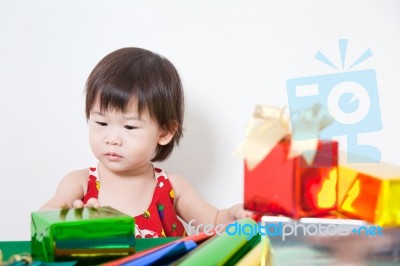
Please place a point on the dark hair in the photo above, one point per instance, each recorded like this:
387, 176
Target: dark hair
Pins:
150, 79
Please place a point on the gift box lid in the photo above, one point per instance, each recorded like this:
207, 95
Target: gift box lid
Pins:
383, 170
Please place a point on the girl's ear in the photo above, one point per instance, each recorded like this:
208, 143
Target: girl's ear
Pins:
167, 134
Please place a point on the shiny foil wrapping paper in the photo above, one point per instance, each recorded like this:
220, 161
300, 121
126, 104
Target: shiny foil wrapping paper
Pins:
82, 234
280, 185
371, 192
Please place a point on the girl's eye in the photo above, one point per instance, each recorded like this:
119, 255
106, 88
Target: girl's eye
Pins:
101, 124
130, 127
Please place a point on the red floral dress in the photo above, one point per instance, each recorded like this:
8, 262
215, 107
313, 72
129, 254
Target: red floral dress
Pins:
160, 219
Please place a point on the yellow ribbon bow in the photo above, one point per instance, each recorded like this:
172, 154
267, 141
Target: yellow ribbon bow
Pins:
269, 125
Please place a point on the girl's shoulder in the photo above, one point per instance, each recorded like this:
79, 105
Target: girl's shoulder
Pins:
171, 176
80, 175
178, 182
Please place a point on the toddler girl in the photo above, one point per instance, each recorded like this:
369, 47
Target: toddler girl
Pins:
134, 109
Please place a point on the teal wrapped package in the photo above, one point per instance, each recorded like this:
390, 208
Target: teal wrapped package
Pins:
82, 234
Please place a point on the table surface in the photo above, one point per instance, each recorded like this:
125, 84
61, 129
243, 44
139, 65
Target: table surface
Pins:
293, 251
10, 248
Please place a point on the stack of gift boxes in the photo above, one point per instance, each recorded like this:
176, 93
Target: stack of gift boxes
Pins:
314, 180
86, 234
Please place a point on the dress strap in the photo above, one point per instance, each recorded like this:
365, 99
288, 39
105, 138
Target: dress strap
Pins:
93, 185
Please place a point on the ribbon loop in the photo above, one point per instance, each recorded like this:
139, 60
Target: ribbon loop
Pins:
270, 124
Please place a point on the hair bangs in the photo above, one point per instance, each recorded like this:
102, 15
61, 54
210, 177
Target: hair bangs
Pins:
112, 98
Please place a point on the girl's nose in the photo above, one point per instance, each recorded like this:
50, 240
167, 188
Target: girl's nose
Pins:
113, 141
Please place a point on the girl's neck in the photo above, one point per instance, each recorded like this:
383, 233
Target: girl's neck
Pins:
143, 172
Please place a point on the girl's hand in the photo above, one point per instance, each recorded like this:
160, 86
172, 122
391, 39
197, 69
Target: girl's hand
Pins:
237, 212
91, 203
77, 204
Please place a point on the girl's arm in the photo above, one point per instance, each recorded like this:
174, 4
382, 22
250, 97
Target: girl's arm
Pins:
70, 189
194, 210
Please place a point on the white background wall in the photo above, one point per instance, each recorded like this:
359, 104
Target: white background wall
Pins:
231, 55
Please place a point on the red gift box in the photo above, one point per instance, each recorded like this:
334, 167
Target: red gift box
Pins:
281, 185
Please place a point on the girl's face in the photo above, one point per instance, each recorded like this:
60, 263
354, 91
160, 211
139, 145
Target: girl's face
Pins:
123, 142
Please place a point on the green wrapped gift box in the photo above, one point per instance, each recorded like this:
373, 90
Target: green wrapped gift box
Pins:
82, 234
